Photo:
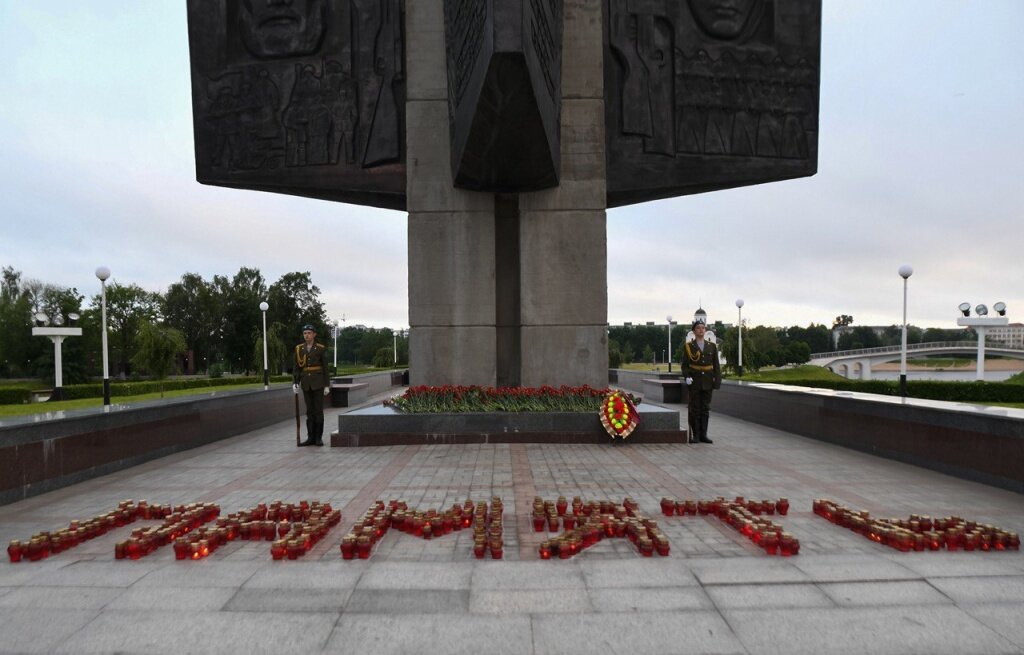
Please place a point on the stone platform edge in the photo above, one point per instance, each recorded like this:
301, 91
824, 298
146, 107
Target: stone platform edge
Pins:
39, 457
351, 440
982, 444
382, 426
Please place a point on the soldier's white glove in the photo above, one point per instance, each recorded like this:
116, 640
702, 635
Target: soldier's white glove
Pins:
327, 391
688, 381
295, 389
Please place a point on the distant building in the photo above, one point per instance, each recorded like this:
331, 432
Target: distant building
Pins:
1011, 335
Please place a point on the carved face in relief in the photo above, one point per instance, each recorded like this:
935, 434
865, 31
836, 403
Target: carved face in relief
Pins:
282, 28
724, 19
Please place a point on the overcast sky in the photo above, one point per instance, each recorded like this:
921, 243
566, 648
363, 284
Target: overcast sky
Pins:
921, 144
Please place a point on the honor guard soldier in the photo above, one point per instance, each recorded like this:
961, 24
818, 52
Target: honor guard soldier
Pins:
701, 374
312, 377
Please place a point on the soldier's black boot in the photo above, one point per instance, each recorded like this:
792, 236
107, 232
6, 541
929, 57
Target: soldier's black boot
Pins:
704, 430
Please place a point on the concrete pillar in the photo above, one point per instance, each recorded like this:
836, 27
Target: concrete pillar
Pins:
508, 289
865, 369
563, 231
451, 231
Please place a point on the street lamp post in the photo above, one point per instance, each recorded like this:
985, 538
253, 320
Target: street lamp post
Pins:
394, 333
103, 273
266, 373
905, 272
335, 331
739, 324
668, 319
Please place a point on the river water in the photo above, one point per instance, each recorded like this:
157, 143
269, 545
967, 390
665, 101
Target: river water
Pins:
962, 374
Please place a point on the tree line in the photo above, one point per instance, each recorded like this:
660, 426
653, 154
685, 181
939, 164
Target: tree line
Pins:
765, 345
215, 325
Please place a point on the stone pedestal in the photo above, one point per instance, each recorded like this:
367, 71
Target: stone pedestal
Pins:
507, 289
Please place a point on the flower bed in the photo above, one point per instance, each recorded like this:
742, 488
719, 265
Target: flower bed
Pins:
456, 399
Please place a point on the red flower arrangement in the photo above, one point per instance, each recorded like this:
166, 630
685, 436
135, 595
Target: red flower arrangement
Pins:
458, 398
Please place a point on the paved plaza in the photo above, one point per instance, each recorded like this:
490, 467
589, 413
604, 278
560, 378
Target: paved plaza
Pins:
715, 593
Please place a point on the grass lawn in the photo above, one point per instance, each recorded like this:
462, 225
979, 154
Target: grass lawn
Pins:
641, 366
783, 375
83, 403
1014, 405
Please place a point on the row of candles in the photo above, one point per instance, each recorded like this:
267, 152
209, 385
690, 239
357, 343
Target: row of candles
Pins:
673, 507
305, 522
486, 523
144, 541
591, 522
316, 521
42, 544
919, 532
745, 516
294, 528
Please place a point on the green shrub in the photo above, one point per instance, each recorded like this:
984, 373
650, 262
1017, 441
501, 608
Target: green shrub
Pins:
135, 388
15, 396
216, 370
996, 392
384, 358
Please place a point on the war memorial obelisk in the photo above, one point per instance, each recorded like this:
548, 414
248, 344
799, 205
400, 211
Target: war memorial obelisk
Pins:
506, 129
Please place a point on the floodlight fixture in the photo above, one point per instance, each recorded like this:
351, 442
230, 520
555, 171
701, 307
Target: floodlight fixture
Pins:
965, 308
981, 310
42, 319
58, 320
1000, 308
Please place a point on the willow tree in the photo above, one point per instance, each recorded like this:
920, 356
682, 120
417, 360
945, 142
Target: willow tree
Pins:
158, 350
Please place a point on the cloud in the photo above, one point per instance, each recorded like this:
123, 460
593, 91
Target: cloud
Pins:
97, 168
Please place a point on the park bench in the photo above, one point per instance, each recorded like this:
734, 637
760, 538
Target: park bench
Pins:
663, 391
347, 394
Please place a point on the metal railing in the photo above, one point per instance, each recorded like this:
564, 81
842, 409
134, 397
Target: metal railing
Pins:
931, 345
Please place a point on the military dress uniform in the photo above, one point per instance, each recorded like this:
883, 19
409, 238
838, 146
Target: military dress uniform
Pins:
701, 365
312, 376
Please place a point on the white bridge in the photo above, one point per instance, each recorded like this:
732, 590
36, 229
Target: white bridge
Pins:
856, 364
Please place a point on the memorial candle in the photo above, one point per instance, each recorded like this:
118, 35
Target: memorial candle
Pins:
14, 550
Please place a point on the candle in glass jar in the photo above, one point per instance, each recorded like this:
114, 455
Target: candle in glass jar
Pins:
278, 550
14, 550
363, 546
348, 546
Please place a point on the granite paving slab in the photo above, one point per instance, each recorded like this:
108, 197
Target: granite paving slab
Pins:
715, 592
649, 632
883, 630
765, 596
